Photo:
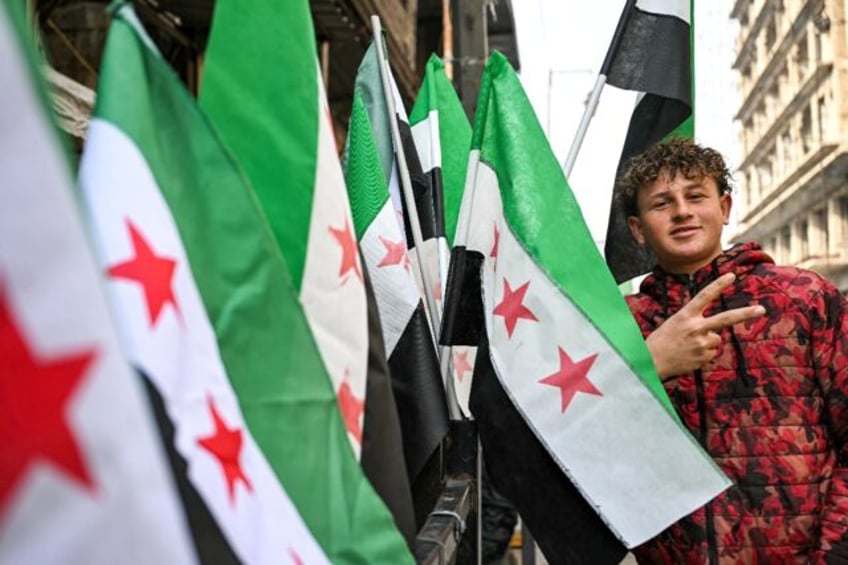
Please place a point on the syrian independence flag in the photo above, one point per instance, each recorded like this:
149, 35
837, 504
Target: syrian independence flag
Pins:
443, 136
83, 478
408, 342
167, 332
427, 202
209, 314
654, 56
564, 391
263, 91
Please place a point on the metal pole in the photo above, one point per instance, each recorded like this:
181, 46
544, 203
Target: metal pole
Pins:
589, 112
405, 182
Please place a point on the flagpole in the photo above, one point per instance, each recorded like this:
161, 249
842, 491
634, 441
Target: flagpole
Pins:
405, 182
414, 223
595, 95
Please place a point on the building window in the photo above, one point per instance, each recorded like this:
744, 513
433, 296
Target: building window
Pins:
821, 110
804, 239
785, 244
819, 238
771, 34
785, 151
807, 129
802, 56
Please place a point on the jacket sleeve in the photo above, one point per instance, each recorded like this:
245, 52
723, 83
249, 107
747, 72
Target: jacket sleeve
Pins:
830, 359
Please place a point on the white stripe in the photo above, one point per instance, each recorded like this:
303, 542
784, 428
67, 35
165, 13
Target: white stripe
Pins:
335, 307
680, 9
426, 136
394, 286
623, 451
48, 281
180, 352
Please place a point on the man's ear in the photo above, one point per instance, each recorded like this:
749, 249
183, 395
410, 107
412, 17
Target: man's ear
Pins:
726, 204
635, 226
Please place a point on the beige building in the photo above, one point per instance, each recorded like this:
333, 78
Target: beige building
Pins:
792, 60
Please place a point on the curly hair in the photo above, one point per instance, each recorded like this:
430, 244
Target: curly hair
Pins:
677, 155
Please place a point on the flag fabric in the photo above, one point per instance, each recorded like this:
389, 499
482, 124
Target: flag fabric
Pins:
563, 371
428, 203
210, 315
262, 89
655, 58
408, 342
83, 478
442, 137
126, 186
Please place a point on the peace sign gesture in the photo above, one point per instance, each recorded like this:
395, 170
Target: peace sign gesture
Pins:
688, 340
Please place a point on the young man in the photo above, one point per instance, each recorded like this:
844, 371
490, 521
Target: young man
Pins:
753, 357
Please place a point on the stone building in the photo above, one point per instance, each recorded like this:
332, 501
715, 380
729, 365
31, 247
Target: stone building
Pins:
792, 60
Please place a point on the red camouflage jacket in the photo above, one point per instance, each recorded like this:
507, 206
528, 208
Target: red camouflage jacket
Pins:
772, 411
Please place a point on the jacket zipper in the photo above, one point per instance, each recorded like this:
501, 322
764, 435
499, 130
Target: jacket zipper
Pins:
702, 428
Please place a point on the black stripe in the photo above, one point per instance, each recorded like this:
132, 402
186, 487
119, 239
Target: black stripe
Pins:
209, 541
382, 448
421, 189
654, 56
653, 118
419, 392
462, 319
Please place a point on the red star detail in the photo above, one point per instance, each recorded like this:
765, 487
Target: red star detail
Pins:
437, 291
572, 377
34, 400
512, 307
461, 365
225, 445
395, 253
153, 272
352, 409
295, 557
350, 257
497, 239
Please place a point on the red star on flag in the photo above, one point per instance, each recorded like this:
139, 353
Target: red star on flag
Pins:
35, 395
350, 256
496, 241
395, 253
153, 272
512, 308
225, 445
351, 409
572, 377
461, 365
295, 557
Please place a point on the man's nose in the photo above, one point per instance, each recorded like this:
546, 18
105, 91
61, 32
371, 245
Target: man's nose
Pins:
681, 208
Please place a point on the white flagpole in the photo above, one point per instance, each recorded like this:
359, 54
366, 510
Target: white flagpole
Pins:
595, 95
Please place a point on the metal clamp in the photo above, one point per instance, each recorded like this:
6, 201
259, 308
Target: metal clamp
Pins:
453, 515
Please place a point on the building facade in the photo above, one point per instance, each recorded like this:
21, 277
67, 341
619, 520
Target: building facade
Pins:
792, 60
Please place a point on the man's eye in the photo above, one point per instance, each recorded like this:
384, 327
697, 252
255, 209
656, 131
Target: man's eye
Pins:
659, 204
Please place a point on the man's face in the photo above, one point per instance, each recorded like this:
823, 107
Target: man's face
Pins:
681, 220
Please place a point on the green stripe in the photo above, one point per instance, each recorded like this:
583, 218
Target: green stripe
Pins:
260, 89
370, 86
687, 127
13, 11
365, 185
545, 217
267, 348
437, 93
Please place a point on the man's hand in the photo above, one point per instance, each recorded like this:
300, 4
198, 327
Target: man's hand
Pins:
687, 340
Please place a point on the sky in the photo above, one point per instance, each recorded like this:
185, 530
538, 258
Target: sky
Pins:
561, 45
